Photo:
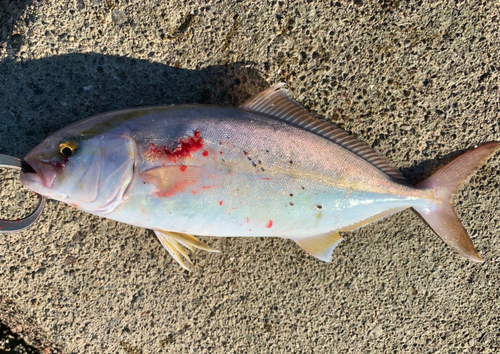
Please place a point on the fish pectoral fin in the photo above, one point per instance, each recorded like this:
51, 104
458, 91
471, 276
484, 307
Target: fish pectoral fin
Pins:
173, 242
320, 246
171, 179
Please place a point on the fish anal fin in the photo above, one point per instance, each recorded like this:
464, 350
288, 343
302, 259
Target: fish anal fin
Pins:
275, 102
371, 219
320, 246
173, 242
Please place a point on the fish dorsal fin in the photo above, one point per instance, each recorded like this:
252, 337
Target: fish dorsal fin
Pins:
172, 242
320, 246
275, 102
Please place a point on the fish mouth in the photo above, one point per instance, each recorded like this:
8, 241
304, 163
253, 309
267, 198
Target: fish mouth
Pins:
37, 176
26, 168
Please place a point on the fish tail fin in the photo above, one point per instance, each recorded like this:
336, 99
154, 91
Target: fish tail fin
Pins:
441, 216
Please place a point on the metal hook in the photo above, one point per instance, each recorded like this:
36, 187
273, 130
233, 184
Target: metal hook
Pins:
7, 226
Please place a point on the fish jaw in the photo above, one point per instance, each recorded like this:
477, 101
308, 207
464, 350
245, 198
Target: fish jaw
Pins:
42, 180
40, 184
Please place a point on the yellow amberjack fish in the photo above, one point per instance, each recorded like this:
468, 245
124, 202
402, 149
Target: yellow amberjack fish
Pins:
266, 168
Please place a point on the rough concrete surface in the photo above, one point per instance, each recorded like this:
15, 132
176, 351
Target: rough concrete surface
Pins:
417, 80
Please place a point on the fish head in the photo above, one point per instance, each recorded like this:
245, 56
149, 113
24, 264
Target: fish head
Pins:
88, 170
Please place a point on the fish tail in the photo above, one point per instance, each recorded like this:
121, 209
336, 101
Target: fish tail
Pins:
441, 216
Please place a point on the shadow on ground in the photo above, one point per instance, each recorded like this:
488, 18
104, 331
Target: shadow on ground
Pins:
39, 97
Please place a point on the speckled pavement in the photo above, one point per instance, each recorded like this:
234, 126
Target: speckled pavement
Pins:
417, 80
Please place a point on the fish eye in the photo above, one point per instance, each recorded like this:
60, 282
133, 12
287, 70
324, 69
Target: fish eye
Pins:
68, 147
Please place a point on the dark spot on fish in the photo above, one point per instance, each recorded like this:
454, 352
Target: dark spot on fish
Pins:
292, 204
245, 153
254, 164
262, 169
319, 206
290, 162
291, 195
302, 187
144, 182
249, 158
267, 150
260, 162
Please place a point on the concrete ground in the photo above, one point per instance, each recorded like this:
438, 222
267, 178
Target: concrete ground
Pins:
417, 80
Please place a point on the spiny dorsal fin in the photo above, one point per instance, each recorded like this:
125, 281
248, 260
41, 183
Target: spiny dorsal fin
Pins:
275, 102
172, 242
320, 246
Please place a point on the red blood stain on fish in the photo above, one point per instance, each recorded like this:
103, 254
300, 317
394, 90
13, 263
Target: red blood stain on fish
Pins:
154, 153
205, 153
164, 194
194, 192
207, 187
267, 179
270, 224
220, 203
185, 148
183, 168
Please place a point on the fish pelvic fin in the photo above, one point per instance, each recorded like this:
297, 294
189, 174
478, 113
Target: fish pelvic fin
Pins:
173, 242
320, 246
441, 216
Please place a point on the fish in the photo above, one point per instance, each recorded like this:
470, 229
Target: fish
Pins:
267, 168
